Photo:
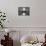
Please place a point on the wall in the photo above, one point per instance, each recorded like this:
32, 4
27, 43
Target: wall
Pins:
37, 17
38, 14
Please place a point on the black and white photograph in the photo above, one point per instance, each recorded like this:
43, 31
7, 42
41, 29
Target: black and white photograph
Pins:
24, 11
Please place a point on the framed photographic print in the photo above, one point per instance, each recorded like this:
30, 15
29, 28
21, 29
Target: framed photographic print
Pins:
23, 11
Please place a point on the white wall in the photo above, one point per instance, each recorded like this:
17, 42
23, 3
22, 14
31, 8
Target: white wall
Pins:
37, 17
39, 13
